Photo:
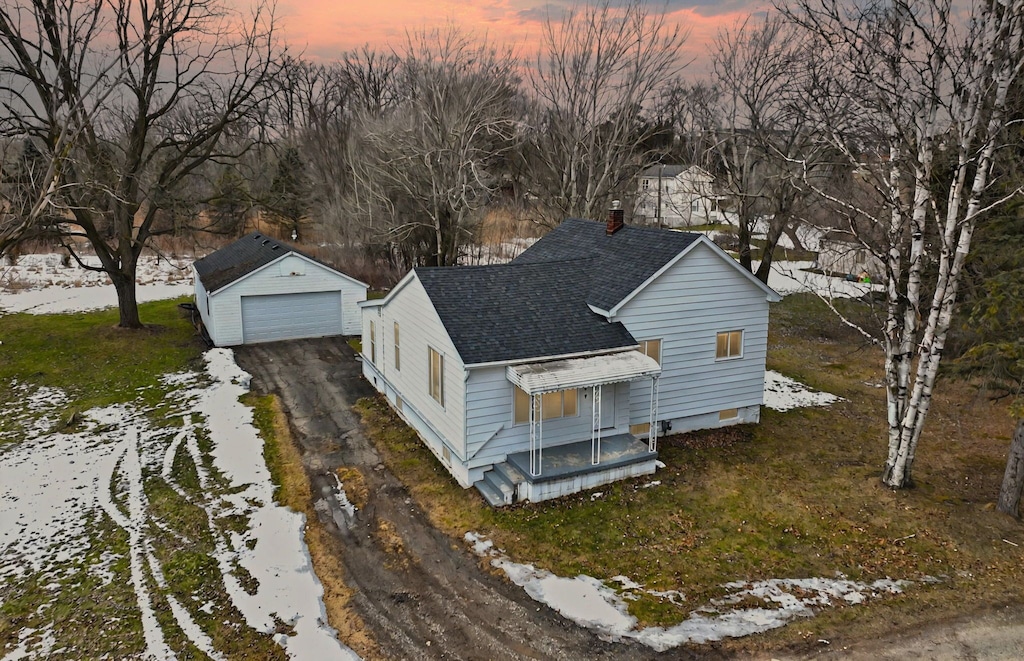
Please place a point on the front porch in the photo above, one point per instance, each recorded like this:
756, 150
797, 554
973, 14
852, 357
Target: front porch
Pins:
567, 469
542, 472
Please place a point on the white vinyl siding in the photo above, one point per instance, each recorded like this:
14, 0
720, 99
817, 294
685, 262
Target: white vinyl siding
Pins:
223, 319
410, 308
687, 306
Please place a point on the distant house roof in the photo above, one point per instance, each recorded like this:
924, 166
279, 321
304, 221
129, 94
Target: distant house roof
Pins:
520, 311
236, 260
612, 267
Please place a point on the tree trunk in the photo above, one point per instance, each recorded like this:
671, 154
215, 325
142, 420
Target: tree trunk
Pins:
127, 304
1013, 478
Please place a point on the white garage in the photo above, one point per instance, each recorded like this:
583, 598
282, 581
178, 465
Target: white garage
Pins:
259, 289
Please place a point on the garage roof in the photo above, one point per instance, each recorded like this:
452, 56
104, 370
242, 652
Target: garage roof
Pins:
234, 261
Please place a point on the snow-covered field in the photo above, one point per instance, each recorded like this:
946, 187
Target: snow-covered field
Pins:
595, 604
42, 284
791, 278
68, 493
782, 393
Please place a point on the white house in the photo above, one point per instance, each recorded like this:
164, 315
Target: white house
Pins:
542, 377
677, 196
258, 289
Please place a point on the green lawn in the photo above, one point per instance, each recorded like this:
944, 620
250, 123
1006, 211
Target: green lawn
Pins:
87, 602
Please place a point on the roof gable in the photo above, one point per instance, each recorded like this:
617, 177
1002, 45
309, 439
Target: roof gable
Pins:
247, 255
514, 312
613, 266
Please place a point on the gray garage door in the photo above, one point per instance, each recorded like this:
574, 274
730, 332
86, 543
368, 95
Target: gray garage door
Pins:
290, 316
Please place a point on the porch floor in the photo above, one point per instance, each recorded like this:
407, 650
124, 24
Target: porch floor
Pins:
562, 461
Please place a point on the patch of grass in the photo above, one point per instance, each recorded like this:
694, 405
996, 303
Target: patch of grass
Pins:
96, 362
797, 495
356, 344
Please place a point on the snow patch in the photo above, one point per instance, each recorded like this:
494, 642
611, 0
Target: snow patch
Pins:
792, 278
782, 393
41, 284
591, 603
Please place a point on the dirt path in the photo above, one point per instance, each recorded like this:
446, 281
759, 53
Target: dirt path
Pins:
440, 604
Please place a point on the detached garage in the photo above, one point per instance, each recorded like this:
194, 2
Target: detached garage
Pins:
261, 290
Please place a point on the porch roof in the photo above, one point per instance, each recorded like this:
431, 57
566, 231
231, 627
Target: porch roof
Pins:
535, 378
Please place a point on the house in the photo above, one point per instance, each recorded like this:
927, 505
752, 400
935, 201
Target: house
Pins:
542, 377
677, 196
841, 252
258, 289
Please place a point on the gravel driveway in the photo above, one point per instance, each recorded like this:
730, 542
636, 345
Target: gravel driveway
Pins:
440, 605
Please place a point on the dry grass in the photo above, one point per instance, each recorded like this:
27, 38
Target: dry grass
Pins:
798, 495
285, 463
355, 485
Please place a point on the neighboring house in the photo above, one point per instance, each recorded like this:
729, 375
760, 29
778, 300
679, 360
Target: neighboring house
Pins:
677, 196
258, 289
525, 379
841, 252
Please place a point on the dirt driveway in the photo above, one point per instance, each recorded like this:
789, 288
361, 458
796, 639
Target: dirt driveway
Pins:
441, 604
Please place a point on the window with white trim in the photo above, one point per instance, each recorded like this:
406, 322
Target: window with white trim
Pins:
373, 343
398, 350
436, 376
557, 404
729, 345
651, 348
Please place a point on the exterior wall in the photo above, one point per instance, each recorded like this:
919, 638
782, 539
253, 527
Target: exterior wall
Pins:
203, 304
419, 328
432, 439
677, 197
686, 307
292, 274
491, 434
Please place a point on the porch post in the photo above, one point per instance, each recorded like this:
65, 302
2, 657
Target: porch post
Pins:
652, 437
536, 435
595, 427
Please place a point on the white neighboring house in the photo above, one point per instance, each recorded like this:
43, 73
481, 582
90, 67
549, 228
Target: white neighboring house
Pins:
259, 289
678, 196
842, 252
541, 377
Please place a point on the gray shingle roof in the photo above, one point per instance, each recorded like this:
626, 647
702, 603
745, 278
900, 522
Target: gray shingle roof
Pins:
222, 267
611, 266
519, 311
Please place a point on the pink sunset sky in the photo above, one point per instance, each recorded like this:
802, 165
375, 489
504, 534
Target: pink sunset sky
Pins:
323, 29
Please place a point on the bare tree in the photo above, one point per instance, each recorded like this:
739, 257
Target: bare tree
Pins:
599, 67
127, 101
428, 166
899, 83
747, 127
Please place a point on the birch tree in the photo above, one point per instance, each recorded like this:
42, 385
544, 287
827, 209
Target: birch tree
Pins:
598, 68
126, 100
898, 82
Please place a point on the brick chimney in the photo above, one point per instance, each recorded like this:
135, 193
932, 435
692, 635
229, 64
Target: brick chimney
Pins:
615, 218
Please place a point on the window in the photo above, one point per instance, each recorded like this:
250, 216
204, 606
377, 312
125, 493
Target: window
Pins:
730, 345
398, 349
645, 184
557, 404
651, 348
728, 414
373, 343
436, 384
695, 206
